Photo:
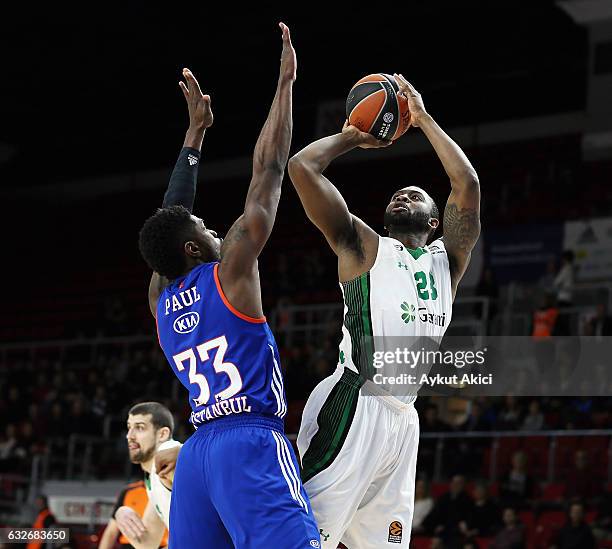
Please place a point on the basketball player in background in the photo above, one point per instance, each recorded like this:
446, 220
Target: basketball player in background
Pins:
359, 454
236, 480
149, 430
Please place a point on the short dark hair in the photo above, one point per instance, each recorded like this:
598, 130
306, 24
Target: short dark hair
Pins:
162, 239
160, 415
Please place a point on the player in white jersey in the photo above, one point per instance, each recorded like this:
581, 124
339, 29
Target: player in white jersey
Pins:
150, 426
358, 442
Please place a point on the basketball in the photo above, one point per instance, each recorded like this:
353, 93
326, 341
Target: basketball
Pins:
374, 107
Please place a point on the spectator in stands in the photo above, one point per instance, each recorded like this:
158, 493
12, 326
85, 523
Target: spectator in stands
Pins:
11, 452
28, 440
14, 409
451, 513
509, 414
547, 280
602, 528
534, 420
581, 481
476, 420
485, 519
467, 452
423, 504
80, 420
601, 324
564, 281
430, 423
545, 319
58, 426
576, 534
564, 285
512, 535
517, 486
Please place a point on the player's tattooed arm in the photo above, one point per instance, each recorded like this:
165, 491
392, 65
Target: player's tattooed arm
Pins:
350, 238
247, 237
462, 212
182, 185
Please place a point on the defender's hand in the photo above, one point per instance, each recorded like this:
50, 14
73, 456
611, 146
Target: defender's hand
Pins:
288, 67
364, 140
415, 102
200, 113
165, 463
129, 522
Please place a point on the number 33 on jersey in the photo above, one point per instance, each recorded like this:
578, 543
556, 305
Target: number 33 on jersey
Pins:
227, 361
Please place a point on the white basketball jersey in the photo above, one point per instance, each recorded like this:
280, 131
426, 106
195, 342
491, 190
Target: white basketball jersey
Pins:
406, 293
158, 494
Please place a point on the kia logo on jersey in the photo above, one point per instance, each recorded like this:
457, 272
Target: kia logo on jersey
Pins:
186, 323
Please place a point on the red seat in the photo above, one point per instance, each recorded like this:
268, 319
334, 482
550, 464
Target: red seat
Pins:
438, 489
590, 517
483, 543
553, 491
552, 519
419, 542
528, 519
536, 449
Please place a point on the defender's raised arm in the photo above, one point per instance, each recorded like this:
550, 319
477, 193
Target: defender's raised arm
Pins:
183, 181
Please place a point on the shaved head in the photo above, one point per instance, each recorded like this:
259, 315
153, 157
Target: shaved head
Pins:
412, 210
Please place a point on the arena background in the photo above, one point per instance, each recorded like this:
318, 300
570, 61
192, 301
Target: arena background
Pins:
92, 121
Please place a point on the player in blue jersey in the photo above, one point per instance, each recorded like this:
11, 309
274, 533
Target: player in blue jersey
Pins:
237, 479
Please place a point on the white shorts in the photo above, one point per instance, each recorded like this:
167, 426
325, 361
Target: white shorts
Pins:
358, 455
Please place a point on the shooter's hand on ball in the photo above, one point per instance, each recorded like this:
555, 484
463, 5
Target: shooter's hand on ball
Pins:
362, 139
200, 113
288, 60
415, 101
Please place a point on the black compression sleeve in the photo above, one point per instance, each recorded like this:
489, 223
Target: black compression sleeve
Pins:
182, 187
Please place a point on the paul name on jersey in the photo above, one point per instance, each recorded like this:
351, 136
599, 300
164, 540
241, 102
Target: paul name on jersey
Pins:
227, 361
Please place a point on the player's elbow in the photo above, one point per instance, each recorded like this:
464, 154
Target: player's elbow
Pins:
295, 165
298, 169
468, 180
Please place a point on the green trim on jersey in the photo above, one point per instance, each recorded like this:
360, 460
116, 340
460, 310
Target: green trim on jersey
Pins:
335, 419
358, 322
416, 253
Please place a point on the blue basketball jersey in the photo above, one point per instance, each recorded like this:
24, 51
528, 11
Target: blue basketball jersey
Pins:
227, 361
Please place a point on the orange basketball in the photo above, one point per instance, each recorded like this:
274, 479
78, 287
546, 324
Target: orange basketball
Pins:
374, 106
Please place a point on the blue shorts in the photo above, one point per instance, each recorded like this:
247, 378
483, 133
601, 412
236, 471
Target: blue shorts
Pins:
237, 484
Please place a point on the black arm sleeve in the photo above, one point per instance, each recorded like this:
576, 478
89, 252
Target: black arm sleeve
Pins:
182, 187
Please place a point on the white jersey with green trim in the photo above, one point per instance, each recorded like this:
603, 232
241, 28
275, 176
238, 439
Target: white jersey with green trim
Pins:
407, 294
157, 493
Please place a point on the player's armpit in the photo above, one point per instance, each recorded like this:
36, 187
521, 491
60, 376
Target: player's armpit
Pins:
156, 286
461, 228
238, 272
357, 253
